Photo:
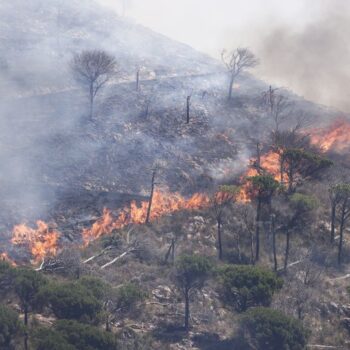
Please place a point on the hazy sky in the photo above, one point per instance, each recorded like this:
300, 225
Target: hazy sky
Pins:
302, 44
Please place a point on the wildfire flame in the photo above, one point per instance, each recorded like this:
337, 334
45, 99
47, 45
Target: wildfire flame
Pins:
42, 241
270, 163
162, 204
5, 257
336, 137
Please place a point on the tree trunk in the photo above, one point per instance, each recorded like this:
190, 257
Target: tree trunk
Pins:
274, 243
271, 101
333, 211
26, 315
291, 177
287, 250
26, 327
232, 79
252, 257
137, 80
281, 169
91, 101
150, 198
173, 251
257, 231
147, 110
258, 158
25, 340
341, 232
187, 310
78, 272
188, 105
219, 236
108, 328
239, 248
290, 181
300, 313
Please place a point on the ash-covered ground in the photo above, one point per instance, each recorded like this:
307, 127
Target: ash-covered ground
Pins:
58, 165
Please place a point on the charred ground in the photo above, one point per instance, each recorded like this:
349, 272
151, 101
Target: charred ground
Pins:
63, 168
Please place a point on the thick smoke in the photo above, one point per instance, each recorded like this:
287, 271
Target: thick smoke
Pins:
302, 44
313, 60
49, 147
47, 144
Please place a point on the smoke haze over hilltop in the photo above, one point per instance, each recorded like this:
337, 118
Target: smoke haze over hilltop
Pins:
303, 45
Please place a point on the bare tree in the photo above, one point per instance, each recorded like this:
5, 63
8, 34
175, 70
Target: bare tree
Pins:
343, 215
156, 169
288, 139
147, 105
171, 252
298, 300
153, 183
311, 273
261, 188
335, 198
146, 100
274, 248
93, 69
138, 71
277, 106
246, 213
237, 62
225, 196
188, 107
67, 262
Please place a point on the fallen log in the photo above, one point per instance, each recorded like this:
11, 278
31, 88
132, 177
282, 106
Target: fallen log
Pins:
340, 278
41, 266
315, 346
291, 264
98, 255
118, 258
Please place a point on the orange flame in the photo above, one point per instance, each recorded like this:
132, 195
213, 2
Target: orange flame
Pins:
336, 137
223, 197
5, 257
268, 162
41, 242
162, 204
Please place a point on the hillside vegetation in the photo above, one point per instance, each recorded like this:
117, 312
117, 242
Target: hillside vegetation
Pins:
180, 205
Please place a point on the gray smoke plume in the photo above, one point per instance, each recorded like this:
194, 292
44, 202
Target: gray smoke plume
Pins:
314, 60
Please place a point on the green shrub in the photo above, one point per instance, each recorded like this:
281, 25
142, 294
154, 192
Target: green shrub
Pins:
5, 267
72, 301
192, 269
268, 329
303, 202
6, 278
86, 337
191, 273
244, 286
49, 339
10, 326
95, 286
27, 285
128, 295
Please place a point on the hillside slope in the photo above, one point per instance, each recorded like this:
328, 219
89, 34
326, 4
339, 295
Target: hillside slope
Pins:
47, 142
60, 166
